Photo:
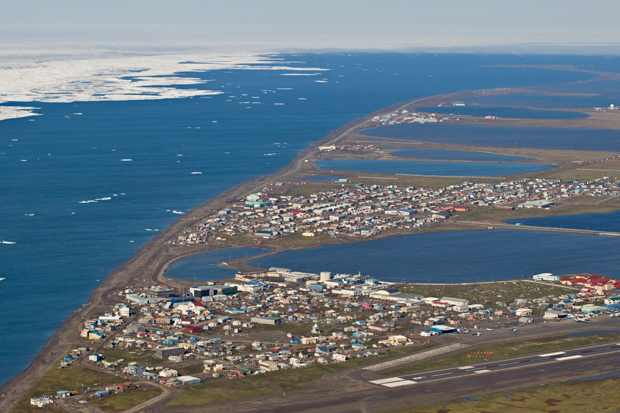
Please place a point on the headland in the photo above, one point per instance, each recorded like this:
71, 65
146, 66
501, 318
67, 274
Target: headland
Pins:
149, 264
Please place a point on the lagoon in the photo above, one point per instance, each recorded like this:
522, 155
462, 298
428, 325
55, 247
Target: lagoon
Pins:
205, 267
459, 256
429, 168
503, 112
504, 136
452, 155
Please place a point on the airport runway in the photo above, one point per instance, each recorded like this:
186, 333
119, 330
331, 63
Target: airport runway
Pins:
416, 389
497, 366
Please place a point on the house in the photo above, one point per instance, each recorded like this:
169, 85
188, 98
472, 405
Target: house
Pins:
63, 393
193, 329
612, 300
196, 307
95, 335
378, 327
188, 379
522, 312
95, 357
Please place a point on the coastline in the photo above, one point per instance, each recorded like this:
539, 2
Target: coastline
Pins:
151, 261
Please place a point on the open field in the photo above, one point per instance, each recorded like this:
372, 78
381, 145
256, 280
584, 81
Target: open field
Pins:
213, 391
502, 351
577, 205
73, 378
579, 396
123, 401
596, 120
506, 291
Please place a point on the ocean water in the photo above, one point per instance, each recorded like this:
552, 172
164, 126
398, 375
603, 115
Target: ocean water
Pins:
504, 136
459, 256
430, 168
452, 155
157, 158
504, 112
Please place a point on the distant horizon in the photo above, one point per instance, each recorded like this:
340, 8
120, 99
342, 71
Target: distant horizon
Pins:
67, 51
273, 26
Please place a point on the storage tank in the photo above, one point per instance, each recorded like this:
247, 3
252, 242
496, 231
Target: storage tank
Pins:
326, 275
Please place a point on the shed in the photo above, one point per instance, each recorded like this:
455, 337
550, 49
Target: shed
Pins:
441, 329
63, 393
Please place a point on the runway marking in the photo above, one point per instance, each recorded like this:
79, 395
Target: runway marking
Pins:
559, 353
465, 367
442, 374
482, 371
382, 381
418, 378
568, 358
508, 364
399, 383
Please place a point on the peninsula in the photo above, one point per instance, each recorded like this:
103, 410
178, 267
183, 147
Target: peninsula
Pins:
412, 204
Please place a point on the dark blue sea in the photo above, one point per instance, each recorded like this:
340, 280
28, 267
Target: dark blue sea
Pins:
64, 248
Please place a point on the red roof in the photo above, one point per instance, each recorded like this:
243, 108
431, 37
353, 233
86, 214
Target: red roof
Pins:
198, 304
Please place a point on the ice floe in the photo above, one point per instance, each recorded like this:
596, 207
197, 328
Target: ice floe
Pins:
118, 78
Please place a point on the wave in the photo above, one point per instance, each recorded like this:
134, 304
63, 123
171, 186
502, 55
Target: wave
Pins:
8, 242
178, 212
126, 160
196, 173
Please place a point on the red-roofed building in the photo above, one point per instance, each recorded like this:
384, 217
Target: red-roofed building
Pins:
193, 329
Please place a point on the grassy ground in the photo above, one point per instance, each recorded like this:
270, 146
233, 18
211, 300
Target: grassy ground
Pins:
501, 351
191, 370
70, 378
123, 401
291, 380
506, 291
575, 397
213, 391
143, 358
577, 205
